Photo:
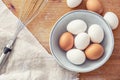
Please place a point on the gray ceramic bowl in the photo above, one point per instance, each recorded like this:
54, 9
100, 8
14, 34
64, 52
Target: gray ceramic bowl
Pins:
90, 18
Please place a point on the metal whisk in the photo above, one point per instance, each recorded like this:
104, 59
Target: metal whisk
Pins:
29, 10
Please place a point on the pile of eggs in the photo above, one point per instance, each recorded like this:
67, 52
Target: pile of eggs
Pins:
81, 42
96, 6
93, 5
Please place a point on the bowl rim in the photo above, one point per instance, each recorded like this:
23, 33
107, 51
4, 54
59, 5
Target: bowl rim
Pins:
88, 70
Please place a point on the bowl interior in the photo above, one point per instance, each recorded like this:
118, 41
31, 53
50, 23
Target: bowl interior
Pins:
90, 18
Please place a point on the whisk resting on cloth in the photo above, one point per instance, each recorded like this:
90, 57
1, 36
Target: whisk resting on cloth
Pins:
29, 10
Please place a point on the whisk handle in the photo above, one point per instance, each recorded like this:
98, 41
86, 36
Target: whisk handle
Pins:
4, 56
5, 53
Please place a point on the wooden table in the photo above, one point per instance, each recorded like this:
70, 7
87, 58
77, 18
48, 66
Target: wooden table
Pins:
42, 24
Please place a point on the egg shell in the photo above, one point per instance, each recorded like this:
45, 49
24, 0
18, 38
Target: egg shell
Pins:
82, 40
66, 41
73, 3
96, 33
76, 26
94, 51
76, 56
112, 19
94, 5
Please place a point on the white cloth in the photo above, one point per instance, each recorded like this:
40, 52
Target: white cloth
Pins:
28, 60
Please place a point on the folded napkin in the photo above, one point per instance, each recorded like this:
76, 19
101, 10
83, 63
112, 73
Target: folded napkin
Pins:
28, 59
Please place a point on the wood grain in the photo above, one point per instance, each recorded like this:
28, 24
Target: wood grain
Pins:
42, 24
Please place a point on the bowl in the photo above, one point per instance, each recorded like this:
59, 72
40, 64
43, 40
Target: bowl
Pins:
90, 18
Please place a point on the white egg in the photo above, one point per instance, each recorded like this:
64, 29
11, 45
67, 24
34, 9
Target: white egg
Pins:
76, 26
112, 19
82, 40
96, 33
73, 3
76, 56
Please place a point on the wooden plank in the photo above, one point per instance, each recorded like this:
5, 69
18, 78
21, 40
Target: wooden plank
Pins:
42, 24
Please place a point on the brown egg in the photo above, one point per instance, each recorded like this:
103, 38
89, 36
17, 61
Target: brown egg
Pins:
66, 41
94, 5
94, 51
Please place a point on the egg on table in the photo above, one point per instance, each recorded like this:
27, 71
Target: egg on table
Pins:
66, 41
73, 3
82, 40
94, 5
76, 26
96, 33
112, 19
76, 56
94, 51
